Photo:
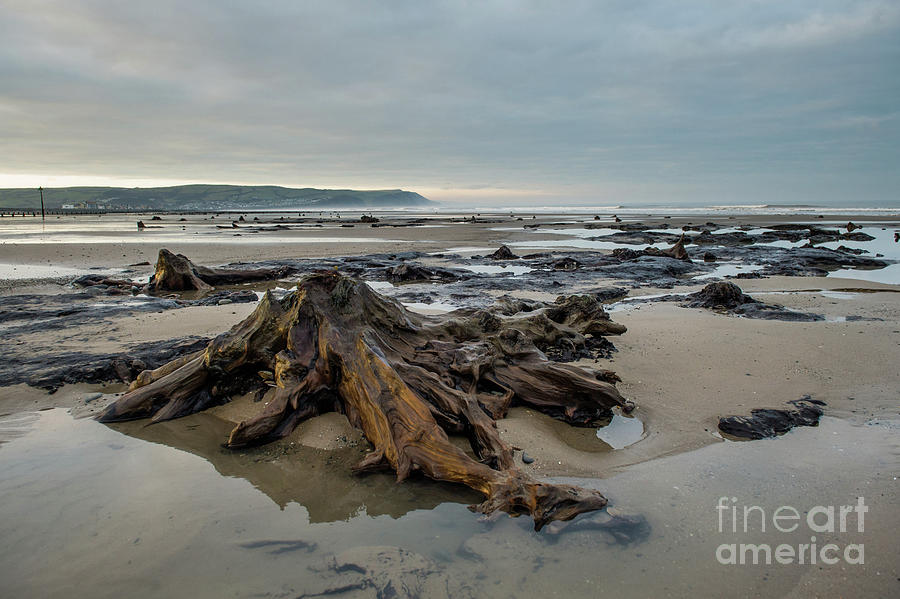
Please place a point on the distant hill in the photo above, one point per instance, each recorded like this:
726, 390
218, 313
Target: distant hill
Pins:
210, 197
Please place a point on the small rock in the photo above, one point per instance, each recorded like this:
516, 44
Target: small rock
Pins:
527, 459
92, 397
225, 301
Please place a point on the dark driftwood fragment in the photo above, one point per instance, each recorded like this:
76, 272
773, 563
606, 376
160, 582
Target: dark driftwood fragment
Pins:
677, 251
405, 380
175, 272
768, 422
416, 273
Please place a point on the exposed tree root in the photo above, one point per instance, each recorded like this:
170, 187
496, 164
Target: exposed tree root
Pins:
405, 380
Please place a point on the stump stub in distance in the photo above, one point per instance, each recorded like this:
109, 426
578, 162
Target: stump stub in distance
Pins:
176, 272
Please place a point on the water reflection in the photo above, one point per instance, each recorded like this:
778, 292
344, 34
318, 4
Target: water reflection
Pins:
318, 479
622, 431
87, 511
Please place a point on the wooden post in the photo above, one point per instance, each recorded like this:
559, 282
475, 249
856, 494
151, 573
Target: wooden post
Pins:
43, 217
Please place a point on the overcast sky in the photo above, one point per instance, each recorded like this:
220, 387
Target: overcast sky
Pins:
491, 101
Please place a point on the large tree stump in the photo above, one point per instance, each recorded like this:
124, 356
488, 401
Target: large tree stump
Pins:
404, 379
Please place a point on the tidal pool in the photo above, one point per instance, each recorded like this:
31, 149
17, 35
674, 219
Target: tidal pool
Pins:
726, 269
47, 271
432, 308
88, 510
494, 269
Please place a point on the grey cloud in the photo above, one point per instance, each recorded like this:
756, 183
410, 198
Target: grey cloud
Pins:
647, 101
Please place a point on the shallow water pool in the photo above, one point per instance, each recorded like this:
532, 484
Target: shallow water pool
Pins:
88, 510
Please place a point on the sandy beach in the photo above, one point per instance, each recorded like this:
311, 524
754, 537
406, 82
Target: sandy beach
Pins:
684, 368
113, 241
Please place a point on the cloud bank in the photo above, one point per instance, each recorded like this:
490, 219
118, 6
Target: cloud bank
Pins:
522, 102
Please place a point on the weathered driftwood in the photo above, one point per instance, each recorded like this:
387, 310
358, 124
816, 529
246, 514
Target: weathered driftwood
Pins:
175, 272
676, 251
406, 380
770, 422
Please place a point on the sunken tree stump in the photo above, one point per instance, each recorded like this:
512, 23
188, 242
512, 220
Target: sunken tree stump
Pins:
176, 272
406, 380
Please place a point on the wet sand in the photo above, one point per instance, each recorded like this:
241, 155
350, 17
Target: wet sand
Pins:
114, 241
683, 367
90, 511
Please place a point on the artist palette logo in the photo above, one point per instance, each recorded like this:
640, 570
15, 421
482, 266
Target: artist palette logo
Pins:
783, 525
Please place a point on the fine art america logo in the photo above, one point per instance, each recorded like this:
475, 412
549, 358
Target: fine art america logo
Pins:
829, 520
